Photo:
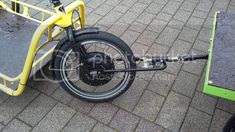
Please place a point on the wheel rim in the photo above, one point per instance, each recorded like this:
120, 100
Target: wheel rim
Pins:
94, 94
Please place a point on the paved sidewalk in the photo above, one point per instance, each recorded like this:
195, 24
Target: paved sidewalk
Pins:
169, 100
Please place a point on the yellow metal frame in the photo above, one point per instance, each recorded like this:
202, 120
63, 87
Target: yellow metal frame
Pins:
56, 18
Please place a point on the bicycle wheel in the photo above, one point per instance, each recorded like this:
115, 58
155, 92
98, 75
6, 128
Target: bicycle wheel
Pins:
82, 75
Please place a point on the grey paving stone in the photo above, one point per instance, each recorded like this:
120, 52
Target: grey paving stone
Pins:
124, 121
13, 105
145, 18
102, 128
61, 95
92, 19
149, 105
168, 36
55, 119
196, 121
128, 3
173, 111
3, 97
129, 99
44, 86
16, 126
188, 34
112, 2
147, 38
186, 83
94, 3
1, 127
138, 27
204, 103
173, 68
204, 5
109, 19
157, 50
231, 8
176, 24
171, 7
157, 25
208, 23
81, 106
200, 14
128, 17
103, 9
205, 35
188, 6
145, 1
195, 23
219, 119
195, 67
161, 1
221, 4
182, 16
200, 85
201, 45
103, 112
37, 110
121, 8
79, 123
147, 76
179, 48
139, 50
226, 105
130, 36
163, 16
118, 28
146, 126
161, 83
138, 7
154, 8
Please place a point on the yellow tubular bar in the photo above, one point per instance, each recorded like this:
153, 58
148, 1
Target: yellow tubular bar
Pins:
58, 19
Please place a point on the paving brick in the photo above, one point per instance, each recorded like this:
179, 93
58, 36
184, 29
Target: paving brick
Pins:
154, 8
204, 5
200, 14
61, 95
200, 85
138, 27
208, 23
130, 36
157, 50
147, 38
138, 7
149, 105
196, 121
79, 123
195, 67
205, 35
182, 15
46, 87
3, 97
201, 45
161, 1
55, 119
157, 25
81, 106
129, 99
173, 68
16, 126
147, 76
188, 6
176, 24
102, 128
37, 110
171, 7
103, 112
168, 36
109, 19
128, 3
92, 19
112, 2
195, 23
221, 4
139, 50
145, 18
121, 8
173, 111
128, 17
231, 9
161, 83
219, 120
188, 34
124, 121
145, 1
146, 126
95, 3
103, 9
204, 103
179, 48
164, 16
186, 83
226, 105
118, 28
13, 105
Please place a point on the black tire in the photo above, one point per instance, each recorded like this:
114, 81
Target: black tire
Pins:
104, 37
230, 125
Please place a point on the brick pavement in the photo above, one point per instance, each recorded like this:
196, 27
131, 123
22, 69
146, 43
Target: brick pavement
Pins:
169, 100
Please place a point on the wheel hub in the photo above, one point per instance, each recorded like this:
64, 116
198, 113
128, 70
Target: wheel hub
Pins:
91, 72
